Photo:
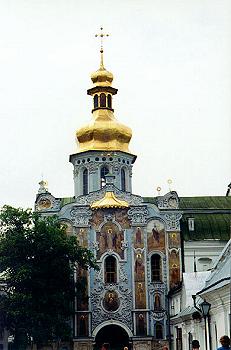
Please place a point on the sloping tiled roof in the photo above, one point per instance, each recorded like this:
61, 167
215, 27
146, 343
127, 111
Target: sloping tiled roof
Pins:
206, 226
209, 202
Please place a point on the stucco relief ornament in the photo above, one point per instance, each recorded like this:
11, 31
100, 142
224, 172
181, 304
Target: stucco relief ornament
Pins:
130, 198
92, 168
75, 172
116, 169
138, 215
94, 245
169, 201
173, 221
124, 245
158, 315
156, 286
109, 217
123, 313
80, 216
46, 202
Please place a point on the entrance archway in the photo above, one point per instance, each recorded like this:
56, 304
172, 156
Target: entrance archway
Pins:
113, 334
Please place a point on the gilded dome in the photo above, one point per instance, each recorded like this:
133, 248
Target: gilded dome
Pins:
104, 133
102, 77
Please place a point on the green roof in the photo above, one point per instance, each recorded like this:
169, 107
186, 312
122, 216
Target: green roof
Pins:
208, 202
152, 200
207, 226
212, 216
67, 200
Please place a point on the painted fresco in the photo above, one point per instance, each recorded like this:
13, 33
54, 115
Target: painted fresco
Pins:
174, 240
82, 324
82, 287
156, 235
97, 218
138, 238
82, 237
140, 295
121, 217
139, 270
141, 324
111, 301
68, 227
174, 268
157, 302
110, 238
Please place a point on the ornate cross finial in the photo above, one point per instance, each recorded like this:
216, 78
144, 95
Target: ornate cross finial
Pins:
101, 35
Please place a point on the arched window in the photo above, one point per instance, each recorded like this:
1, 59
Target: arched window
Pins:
109, 101
123, 180
157, 302
103, 172
159, 331
85, 182
102, 100
96, 101
156, 268
110, 270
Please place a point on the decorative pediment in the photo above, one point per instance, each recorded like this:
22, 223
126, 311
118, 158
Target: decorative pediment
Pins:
168, 201
92, 197
45, 202
138, 215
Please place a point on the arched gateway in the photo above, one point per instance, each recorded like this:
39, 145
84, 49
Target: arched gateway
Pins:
113, 334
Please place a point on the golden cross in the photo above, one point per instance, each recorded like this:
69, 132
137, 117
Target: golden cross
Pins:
101, 35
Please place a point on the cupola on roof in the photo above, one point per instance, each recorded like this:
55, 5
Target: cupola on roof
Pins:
104, 132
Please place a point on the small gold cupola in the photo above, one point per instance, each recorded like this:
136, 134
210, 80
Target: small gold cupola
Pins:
104, 132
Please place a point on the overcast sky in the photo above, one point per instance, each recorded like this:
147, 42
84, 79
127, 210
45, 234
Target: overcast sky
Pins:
171, 64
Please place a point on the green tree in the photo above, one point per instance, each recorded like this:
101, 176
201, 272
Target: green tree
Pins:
38, 261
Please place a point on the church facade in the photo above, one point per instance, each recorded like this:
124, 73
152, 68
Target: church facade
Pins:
137, 244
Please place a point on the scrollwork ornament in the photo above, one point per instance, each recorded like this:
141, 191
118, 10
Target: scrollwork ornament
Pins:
173, 221
138, 215
80, 216
158, 315
123, 313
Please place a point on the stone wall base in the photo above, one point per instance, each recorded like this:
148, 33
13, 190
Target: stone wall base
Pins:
146, 343
83, 344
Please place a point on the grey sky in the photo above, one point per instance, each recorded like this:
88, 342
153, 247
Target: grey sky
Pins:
171, 64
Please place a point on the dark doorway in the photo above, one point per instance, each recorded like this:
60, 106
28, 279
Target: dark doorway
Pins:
116, 336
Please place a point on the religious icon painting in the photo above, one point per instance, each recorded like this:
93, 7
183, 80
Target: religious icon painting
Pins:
156, 235
139, 268
68, 227
97, 218
174, 268
140, 295
82, 237
111, 301
110, 238
82, 324
82, 290
174, 240
138, 237
141, 324
121, 217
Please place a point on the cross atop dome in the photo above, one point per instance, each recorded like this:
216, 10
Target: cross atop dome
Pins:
101, 35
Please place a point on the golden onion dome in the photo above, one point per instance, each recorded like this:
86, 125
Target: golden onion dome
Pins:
102, 77
104, 133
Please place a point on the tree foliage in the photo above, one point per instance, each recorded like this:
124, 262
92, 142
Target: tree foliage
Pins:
37, 260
